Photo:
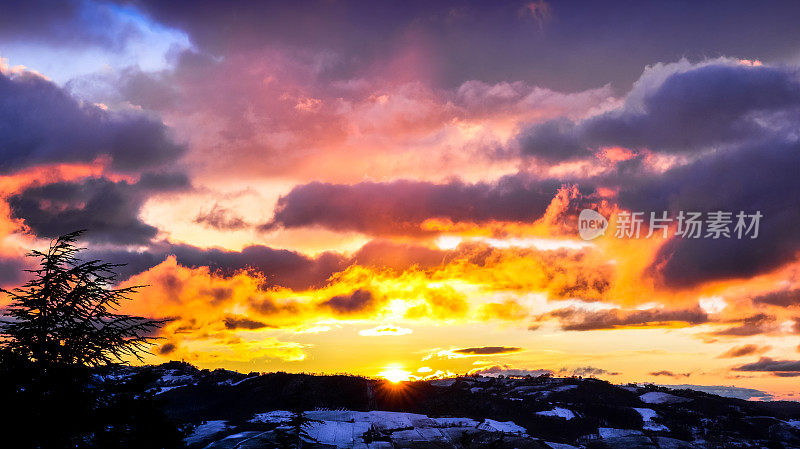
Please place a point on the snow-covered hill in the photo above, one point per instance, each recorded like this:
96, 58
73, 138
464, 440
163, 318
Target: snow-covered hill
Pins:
225, 409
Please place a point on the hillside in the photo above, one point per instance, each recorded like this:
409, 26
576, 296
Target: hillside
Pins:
225, 409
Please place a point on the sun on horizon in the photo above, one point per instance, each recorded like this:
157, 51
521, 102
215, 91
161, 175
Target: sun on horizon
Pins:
395, 374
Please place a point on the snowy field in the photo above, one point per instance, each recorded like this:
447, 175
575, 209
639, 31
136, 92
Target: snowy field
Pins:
344, 428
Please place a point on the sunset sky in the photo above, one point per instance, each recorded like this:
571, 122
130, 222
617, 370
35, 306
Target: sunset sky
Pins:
392, 188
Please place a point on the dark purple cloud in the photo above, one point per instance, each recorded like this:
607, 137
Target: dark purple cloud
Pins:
553, 141
400, 207
760, 177
587, 371
11, 270
566, 45
167, 348
109, 210
281, 267
506, 370
61, 23
781, 298
358, 301
240, 322
753, 325
690, 111
739, 124
277, 266
488, 350
573, 319
41, 123
669, 374
782, 368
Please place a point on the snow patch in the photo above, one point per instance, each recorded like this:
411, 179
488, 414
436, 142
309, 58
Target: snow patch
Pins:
243, 380
170, 378
275, 416
456, 422
609, 432
345, 428
166, 389
558, 412
491, 425
657, 397
560, 445
647, 416
206, 430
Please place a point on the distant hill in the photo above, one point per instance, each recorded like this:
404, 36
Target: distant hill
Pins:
227, 409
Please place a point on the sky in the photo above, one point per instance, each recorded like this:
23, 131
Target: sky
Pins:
394, 188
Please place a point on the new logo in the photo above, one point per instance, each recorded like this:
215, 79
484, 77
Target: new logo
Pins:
591, 224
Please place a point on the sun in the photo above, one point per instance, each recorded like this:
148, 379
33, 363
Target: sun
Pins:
395, 374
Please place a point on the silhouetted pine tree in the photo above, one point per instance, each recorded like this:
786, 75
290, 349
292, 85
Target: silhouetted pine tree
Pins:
58, 326
66, 314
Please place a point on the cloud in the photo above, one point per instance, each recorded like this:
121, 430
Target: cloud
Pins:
477, 40
506, 370
781, 368
387, 329
63, 24
727, 130
587, 371
488, 350
399, 256
293, 120
508, 310
753, 325
669, 374
208, 301
443, 303
689, 110
275, 267
508, 269
552, 141
43, 124
359, 300
221, 218
240, 322
283, 267
751, 178
166, 349
11, 270
741, 351
574, 319
108, 209
401, 207
732, 124
780, 298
